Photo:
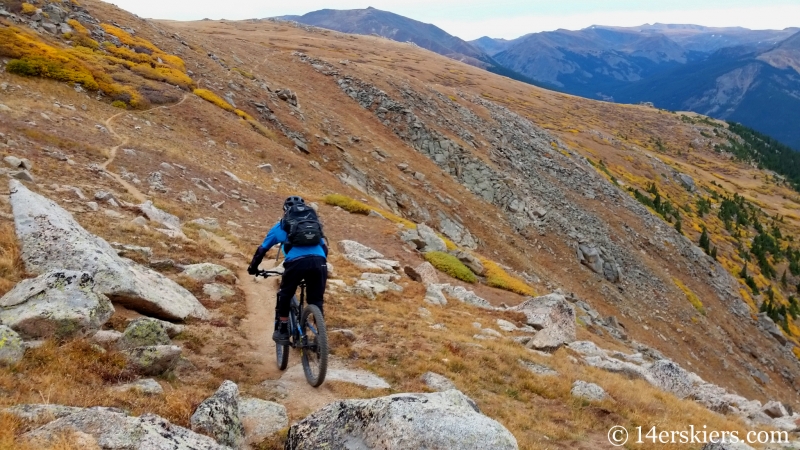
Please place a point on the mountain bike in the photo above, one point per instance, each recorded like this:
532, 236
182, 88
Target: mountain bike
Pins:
307, 334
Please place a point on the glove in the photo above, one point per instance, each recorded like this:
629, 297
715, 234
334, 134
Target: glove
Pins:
252, 270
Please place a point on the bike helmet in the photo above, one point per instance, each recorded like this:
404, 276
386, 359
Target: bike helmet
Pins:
293, 201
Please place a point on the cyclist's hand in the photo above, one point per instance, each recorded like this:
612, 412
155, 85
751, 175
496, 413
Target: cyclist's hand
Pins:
252, 270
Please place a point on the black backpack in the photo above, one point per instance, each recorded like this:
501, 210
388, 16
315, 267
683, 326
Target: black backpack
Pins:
302, 227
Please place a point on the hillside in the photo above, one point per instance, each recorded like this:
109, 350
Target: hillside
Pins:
567, 233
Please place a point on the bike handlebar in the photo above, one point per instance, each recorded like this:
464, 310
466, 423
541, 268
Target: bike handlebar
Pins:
268, 273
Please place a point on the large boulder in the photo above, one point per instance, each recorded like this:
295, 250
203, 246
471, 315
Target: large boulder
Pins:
588, 391
440, 420
52, 240
599, 262
11, 347
153, 360
261, 418
670, 377
143, 333
114, 430
553, 316
471, 261
36, 412
218, 416
354, 248
424, 273
464, 295
60, 304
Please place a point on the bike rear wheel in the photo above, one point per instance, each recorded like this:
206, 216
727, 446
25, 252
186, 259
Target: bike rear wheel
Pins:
315, 345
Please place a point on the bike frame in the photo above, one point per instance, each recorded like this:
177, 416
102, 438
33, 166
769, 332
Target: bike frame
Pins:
295, 311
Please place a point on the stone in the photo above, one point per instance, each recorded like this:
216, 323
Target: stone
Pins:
40, 412
153, 360
188, 197
767, 324
60, 304
51, 239
12, 348
122, 249
23, 175
232, 176
464, 295
206, 272
218, 416
472, 262
147, 386
433, 243
538, 369
106, 337
157, 215
506, 326
142, 333
115, 430
424, 273
363, 263
18, 163
266, 168
208, 223
670, 377
553, 316
687, 182
588, 391
217, 292
774, 409
434, 295
437, 382
95, 207
439, 420
261, 418
357, 249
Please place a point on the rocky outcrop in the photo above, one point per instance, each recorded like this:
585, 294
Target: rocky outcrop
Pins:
116, 431
599, 261
218, 416
153, 360
366, 258
261, 418
11, 347
436, 382
207, 272
553, 316
439, 420
143, 333
41, 412
52, 240
60, 304
424, 273
588, 391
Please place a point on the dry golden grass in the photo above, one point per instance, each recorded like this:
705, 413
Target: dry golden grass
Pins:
499, 278
12, 269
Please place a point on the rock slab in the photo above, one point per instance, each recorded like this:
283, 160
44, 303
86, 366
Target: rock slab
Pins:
440, 420
218, 416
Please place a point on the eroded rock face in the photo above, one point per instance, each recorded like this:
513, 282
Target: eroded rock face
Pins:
60, 304
218, 416
553, 316
669, 376
447, 419
115, 431
52, 240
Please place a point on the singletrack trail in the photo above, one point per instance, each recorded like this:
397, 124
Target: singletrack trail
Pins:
123, 140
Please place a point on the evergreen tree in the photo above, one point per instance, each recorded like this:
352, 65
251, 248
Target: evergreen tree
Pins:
678, 225
704, 241
713, 253
783, 279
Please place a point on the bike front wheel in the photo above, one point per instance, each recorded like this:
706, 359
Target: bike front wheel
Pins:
315, 345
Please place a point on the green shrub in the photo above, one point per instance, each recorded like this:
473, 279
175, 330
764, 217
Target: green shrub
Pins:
450, 265
119, 104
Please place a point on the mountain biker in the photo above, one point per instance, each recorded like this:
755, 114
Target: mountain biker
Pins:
303, 262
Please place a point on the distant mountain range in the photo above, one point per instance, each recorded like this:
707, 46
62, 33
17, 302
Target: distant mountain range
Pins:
737, 74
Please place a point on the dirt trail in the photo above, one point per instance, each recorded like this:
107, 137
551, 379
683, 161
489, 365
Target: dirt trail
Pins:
260, 297
112, 154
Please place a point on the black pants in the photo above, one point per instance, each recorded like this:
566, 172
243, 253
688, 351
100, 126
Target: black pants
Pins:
311, 269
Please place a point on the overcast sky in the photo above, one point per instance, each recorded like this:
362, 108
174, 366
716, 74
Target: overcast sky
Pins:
471, 19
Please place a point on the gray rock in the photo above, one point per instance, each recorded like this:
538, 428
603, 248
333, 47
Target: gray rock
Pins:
218, 292
52, 240
18, 163
687, 182
261, 418
159, 216
538, 369
23, 175
60, 304
188, 197
433, 243
209, 223
424, 273
774, 409
553, 316
472, 262
357, 249
440, 420
588, 391
116, 431
41, 412
143, 333
437, 382
218, 416
766, 324
464, 295
354, 376
362, 263
266, 168
147, 386
106, 337
232, 176
506, 326
153, 360
12, 348
434, 295
122, 249
670, 377
206, 272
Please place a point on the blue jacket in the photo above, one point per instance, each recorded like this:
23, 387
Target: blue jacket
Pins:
277, 236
